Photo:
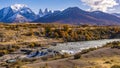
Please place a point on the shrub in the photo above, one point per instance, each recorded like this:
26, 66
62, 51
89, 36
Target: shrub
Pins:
87, 50
44, 58
107, 62
115, 66
77, 56
65, 55
115, 44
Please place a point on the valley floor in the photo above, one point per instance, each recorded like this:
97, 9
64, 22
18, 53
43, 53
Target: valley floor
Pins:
101, 58
29, 38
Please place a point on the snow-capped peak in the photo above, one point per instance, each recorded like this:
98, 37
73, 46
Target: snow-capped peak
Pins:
17, 7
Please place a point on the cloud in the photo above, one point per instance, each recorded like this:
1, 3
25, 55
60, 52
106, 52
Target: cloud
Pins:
101, 5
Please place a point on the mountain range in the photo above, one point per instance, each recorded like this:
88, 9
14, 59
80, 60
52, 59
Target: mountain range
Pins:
72, 15
19, 13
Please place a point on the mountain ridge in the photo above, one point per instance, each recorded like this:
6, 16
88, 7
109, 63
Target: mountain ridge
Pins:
75, 15
72, 15
11, 11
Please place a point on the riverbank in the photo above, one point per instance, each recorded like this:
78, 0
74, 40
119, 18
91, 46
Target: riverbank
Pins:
104, 57
95, 58
101, 58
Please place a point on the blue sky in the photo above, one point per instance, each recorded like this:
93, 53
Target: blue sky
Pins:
35, 5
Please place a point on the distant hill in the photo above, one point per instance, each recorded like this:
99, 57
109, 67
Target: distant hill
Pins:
75, 15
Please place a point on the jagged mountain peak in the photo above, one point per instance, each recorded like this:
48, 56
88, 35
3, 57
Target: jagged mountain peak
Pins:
17, 12
71, 15
45, 12
18, 7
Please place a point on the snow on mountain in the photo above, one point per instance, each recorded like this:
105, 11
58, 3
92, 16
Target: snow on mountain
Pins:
17, 7
17, 11
22, 13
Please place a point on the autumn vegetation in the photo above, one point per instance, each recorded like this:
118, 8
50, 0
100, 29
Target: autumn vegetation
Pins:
64, 31
82, 33
15, 35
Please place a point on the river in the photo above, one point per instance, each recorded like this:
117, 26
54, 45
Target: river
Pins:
74, 47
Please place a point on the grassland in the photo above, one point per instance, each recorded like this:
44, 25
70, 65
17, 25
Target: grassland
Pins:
14, 37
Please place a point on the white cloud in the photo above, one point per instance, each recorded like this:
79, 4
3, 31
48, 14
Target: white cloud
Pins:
101, 5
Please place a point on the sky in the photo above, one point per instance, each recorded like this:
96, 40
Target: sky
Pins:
112, 6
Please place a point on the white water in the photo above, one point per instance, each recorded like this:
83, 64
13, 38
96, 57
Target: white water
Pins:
71, 47
74, 47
